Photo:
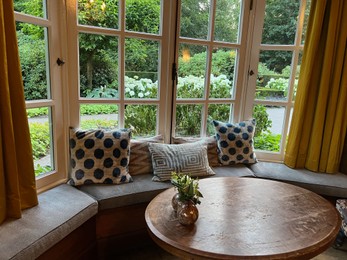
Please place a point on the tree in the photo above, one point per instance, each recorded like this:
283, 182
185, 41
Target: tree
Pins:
279, 28
99, 53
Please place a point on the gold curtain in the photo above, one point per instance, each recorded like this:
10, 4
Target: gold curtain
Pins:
17, 176
319, 122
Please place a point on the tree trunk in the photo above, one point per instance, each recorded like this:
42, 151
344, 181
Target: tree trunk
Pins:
90, 68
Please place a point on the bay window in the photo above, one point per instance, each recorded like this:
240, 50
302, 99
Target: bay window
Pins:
158, 67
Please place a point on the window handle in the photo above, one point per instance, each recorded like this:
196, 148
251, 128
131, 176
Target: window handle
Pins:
60, 62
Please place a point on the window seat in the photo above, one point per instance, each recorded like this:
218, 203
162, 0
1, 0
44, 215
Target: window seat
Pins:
60, 211
332, 185
110, 218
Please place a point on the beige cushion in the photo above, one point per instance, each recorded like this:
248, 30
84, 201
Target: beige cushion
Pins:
189, 158
211, 143
140, 158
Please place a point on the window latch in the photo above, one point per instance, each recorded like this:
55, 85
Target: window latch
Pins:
60, 62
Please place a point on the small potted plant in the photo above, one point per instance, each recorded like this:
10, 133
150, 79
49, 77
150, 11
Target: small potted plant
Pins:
187, 196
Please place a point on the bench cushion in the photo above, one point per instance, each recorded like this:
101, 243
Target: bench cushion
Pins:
141, 190
322, 183
60, 211
238, 170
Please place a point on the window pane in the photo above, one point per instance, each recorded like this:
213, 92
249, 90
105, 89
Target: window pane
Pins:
268, 132
307, 13
223, 71
143, 16
188, 120
194, 19
142, 119
97, 116
98, 57
140, 88
33, 53
141, 68
40, 126
280, 21
191, 71
273, 75
32, 7
227, 20
220, 112
99, 13
297, 74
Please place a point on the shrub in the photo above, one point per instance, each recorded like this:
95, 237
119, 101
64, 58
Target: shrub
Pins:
223, 64
262, 119
141, 119
34, 112
40, 139
140, 88
93, 109
32, 58
267, 142
98, 124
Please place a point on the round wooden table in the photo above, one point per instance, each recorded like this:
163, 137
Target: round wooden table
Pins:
246, 218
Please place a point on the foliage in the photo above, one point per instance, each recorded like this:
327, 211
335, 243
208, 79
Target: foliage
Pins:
267, 142
103, 92
98, 124
187, 187
262, 119
41, 169
98, 66
149, 19
95, 109
223, 64
279, 28
188, 120
40, 139
140, 88
141, 119
35, 112
32, 55
278, 84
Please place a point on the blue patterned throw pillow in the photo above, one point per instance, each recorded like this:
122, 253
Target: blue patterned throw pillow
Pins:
99, 156
235, 142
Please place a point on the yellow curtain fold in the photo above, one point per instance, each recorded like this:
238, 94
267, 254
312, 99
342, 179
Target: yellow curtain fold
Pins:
319, 124
17, 176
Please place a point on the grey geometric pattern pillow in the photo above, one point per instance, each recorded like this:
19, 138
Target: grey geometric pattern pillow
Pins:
99, 156
140, 158
181, 158
211, 143
235, 142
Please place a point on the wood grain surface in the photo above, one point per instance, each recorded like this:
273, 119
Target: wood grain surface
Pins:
246, 218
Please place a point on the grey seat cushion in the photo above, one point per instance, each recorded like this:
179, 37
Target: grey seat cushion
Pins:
60, 211
141, 190
239, 170
322, 183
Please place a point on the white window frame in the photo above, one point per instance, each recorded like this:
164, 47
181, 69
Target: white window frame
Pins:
163, 37
255, 47
54, 23
240, 66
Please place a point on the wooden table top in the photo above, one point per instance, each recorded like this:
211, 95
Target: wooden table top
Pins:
243, 218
